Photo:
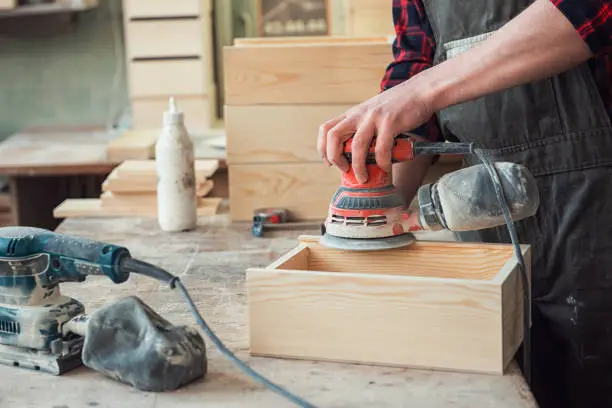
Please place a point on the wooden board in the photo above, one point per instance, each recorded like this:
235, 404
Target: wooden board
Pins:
304, 189
276, 133
337, 39
434, 305
304, 73
181, 38
369, 17
133, 145
147, 168
111, 199
92, 207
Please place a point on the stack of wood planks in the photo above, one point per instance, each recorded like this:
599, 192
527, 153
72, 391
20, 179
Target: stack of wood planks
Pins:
130, 190
278, 92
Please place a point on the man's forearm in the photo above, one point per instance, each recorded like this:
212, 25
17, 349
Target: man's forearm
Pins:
538, 43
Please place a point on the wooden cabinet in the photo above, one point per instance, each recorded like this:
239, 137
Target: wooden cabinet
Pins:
170, 54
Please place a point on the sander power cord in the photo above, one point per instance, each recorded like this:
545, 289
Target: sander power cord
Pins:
174, 282
499, 191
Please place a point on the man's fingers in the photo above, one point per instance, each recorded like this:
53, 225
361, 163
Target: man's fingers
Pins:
322, 139
336, 137
360, 147
385, 141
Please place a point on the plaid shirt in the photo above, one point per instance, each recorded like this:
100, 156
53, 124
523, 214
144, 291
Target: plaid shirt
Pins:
414, 45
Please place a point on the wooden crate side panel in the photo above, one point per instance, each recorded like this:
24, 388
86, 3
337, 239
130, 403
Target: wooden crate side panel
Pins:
276, 133
304, 189
512, 308
375, 320
304, 74
424, 259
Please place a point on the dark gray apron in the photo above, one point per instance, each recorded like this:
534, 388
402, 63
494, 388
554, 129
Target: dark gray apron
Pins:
560, 130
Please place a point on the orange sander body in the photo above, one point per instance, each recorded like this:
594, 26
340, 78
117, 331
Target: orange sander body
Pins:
373, 215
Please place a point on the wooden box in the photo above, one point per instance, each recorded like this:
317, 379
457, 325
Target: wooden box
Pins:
434, 305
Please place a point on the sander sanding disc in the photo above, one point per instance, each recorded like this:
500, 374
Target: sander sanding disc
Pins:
372, 244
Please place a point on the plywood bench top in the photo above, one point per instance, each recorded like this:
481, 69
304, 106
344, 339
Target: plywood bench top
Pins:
212, 262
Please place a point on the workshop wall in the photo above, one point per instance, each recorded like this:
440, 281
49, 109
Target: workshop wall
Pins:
62, 70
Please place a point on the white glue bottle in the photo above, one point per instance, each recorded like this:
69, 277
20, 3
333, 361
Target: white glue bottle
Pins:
176, 182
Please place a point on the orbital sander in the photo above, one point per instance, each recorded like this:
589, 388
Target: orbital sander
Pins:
374, 215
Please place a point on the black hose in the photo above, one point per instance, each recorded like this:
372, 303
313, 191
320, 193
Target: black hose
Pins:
143, 268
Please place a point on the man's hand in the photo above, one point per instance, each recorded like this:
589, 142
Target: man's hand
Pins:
538, 43
397, 110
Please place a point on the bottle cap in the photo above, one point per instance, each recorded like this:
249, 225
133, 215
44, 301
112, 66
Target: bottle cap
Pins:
173, 115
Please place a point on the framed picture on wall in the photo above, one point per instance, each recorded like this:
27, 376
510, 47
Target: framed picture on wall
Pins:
285, 18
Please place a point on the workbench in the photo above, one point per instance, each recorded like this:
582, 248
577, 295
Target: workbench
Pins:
211, 262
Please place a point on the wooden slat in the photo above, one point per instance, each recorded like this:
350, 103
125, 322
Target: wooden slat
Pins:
92, 207
304, 74
132, 145
369, 17
145, 192
304, 189
276, 133
448, 317
159, 78
165, 38
162, 8
141, 175
311, 40
147, 168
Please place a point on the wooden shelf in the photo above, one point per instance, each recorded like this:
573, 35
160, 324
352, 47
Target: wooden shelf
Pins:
48, 8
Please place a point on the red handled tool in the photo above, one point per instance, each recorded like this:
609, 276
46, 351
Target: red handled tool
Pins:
373, 215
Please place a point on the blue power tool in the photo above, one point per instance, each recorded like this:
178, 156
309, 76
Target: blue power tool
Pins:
41, 329
34, 315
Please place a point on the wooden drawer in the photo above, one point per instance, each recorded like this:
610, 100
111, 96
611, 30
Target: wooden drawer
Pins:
135, 9
165, 38
148, 113
163, 78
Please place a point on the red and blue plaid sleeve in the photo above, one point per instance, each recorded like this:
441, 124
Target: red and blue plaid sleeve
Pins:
413, 51
593, 21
